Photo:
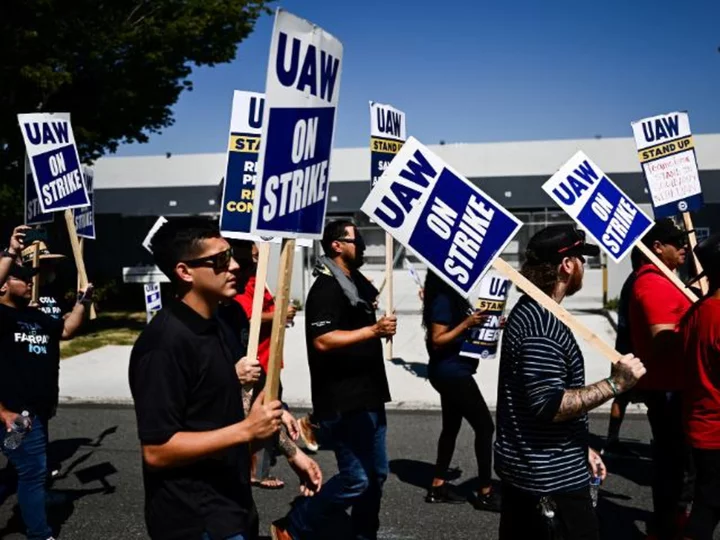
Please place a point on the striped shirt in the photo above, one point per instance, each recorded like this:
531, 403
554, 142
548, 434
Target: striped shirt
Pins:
540, 359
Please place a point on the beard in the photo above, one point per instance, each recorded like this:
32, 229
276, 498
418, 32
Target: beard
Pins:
354, 262
575, 280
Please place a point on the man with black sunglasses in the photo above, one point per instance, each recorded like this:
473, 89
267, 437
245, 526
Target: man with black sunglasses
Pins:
656, 308
349, 391
192, 428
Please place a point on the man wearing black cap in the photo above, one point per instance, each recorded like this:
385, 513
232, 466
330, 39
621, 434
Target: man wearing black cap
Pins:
541, 451
656, 308
29, 368
700, 331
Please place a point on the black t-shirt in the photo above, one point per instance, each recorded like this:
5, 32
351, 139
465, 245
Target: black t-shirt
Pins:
29, 360
182, 378
447, 362
351, 378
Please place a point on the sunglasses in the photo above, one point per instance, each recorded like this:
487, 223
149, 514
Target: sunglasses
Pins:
357, 241
219, 262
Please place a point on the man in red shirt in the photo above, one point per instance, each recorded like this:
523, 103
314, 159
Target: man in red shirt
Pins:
656, 307
262, 457
700, 330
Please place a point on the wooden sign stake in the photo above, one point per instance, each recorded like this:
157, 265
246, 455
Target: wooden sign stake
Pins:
692, 240
389, 260
36, 277
282, 301
77, 253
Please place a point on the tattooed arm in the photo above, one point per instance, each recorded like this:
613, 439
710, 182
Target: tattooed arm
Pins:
286, 445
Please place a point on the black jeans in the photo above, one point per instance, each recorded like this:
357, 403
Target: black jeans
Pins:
460, 398
669, 453
521, 518
706, 506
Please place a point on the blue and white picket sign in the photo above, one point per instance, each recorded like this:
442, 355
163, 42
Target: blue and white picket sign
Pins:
667, 154
588, 196
388, 132
33, 212
85, 216
413, 273
301, 98
153, 300
449, 223
482, 341
54, 160
240, 172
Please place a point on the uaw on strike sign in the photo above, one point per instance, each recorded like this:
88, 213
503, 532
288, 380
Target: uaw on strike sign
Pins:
427, 206
387, 135
667, 154
610, 217
240, 175
54, 161
302, 89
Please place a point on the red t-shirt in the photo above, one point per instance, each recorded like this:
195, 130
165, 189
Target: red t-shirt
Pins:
245, 300
655, 300
701, 399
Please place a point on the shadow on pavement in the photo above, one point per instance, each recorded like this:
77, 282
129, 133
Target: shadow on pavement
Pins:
419, 369
420, 473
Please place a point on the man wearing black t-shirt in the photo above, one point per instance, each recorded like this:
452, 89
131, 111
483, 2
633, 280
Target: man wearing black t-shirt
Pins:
349, 390
193, 432
29, 368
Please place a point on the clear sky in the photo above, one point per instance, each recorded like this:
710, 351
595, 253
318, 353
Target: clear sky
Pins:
479, 71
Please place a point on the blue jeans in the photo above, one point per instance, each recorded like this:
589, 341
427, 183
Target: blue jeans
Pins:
358, 440
30, 461
206, 536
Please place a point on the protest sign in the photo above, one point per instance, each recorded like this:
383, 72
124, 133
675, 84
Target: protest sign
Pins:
667, 154
608, 215
302, 89
449, 223
33, 212
482, 341
54, 160
413, 273
240, 174
85, 216
153, 300
387, 135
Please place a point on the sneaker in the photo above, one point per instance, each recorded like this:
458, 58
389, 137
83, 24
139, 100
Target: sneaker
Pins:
489, 502
444, 493
307, 434
278, 532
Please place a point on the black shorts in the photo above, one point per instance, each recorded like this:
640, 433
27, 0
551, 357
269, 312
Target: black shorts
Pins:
522, 519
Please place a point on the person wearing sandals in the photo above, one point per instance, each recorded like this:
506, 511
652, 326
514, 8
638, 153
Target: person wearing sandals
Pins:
447, 317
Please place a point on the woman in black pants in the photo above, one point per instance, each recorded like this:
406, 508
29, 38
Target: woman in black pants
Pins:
447, 317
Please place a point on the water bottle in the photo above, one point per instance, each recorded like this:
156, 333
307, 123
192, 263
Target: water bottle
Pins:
20, 428
595, 482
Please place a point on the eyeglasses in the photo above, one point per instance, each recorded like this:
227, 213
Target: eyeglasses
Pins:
219, 262
348, 240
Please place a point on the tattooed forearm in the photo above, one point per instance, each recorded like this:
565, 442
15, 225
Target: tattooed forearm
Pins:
287, 447
578, 401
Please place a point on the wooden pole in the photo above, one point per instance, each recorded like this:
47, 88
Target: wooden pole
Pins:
556, 309
256, 316
77, 253
389, 267
82, 254
282, 301
667, 272
36, 277
604, 265
692, 240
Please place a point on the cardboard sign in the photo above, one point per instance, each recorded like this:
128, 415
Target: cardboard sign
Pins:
85, 216
667, 154
449, 223
54, 161
302, 89
240, 173
610, 217
33, 211
482, 342
153, 300
387, 135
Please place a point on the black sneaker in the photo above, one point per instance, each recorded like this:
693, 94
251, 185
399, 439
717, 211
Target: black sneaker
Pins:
445, 493
489, 502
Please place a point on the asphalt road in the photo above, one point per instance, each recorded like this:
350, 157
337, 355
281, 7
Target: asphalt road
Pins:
100, 495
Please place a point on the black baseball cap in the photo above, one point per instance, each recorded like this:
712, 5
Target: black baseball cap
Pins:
26, 273
666, 232
552, 244
708, 254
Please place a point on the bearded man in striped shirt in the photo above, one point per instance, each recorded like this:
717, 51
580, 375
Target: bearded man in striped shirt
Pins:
541, 451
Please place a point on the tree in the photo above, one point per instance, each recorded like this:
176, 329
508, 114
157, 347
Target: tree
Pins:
116, 65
